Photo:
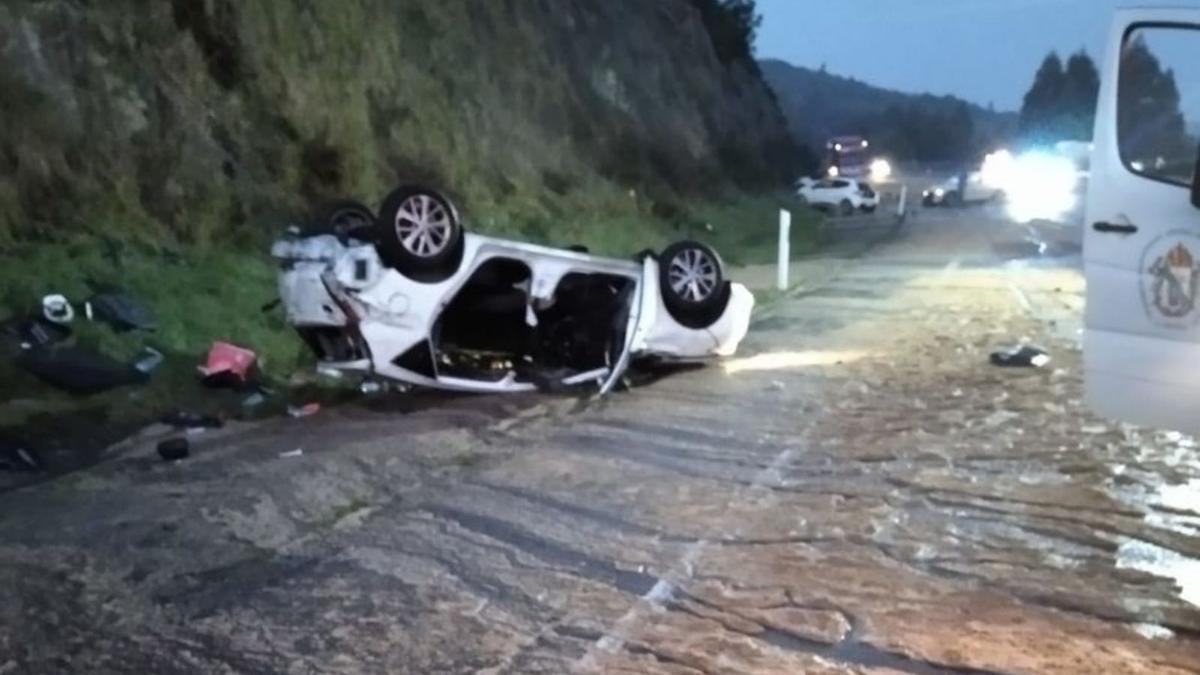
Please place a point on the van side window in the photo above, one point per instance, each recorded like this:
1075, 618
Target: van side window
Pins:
1158, 102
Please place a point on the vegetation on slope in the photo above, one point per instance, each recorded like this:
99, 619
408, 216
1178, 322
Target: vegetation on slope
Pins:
1061, 103
215, 122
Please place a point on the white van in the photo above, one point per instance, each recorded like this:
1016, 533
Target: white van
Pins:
1142, 239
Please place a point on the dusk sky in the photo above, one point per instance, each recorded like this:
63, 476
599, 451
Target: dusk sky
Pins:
981, 50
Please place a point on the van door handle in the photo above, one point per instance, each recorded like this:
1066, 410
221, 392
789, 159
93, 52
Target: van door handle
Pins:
1114, 228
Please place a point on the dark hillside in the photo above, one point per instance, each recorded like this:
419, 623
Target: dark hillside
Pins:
196, 120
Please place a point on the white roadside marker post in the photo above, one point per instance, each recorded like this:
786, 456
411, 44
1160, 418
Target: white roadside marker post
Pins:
785, 249
902, 208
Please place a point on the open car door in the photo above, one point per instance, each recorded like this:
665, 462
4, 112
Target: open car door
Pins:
1142, 237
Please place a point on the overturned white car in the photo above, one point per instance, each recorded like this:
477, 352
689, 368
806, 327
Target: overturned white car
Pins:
410, 296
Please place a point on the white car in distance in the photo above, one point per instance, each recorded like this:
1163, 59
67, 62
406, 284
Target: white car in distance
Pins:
843, 196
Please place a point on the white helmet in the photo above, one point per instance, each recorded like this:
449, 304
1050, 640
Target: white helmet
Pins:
57, 309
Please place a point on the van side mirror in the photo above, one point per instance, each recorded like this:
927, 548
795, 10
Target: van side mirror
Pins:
1196, 181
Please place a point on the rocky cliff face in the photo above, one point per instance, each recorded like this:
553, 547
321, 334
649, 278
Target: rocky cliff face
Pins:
199, 119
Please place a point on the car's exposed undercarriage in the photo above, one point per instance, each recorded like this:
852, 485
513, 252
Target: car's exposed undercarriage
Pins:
491, 326
409, 296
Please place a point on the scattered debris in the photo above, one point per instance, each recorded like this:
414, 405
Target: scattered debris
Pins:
253, 400
150, 361
36, 331
776, 385
1023, 356
305, 410
121, 311
189, 420
331, 373
174, 449
74, 368
228, 365
78, 370
17, 456
298, 452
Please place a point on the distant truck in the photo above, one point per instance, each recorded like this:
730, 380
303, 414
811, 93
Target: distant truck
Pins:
847, 157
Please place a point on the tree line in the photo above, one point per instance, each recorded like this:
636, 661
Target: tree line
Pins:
732, 26
1061, 103
1150, 124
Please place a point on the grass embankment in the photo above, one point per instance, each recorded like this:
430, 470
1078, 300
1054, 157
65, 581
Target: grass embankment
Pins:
206, 293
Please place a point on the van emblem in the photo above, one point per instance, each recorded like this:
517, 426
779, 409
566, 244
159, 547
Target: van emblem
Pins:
1171, 280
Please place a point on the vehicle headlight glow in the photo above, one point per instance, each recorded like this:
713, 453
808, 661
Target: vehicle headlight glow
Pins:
833, 172
881, 170
1041, 186
770, 361
998, 169
939, 192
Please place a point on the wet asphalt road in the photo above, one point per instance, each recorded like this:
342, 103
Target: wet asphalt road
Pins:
857, 492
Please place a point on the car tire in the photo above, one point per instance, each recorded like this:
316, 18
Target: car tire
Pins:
847, 207
419, 235
343, 219
692, 280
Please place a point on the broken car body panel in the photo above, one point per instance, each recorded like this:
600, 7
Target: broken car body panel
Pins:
359, 315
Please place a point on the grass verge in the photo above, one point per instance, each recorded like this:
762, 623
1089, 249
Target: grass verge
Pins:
203, 294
